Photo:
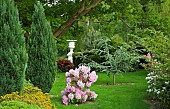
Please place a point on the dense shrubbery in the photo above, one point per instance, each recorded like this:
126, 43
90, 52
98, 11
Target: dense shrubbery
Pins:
158, 80
30, 95
158, 65
17, 105
65, 65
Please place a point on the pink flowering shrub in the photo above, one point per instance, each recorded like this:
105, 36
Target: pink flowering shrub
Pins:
151, 61
158, 79
78, 84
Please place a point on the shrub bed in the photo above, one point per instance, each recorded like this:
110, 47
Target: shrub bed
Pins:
30, 95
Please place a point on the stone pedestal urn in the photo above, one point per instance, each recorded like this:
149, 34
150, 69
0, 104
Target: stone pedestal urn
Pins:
71, 47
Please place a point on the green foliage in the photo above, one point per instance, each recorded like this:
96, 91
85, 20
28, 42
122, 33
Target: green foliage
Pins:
158, 81
91, 33
30, 95
114, 60
13, 56
62, 46
17, 105
42, 52
27, 83
158, 44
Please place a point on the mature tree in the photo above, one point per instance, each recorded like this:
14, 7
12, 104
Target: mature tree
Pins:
13, 56
65, 14
42, 52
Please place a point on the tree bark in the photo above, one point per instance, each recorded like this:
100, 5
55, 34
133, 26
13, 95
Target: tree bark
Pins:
83, 10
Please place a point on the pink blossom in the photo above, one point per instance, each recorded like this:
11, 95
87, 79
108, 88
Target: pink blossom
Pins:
71, 71
78, 90
67, 74
63, 92
77, 69
88, 84
70, 96
93, 76
93, 95
84, 69
68, 88
87, 91
73, 89
64, 97
65, 100
80, 84
84, 98
78, 95
148, 56
68, 79
75, 73
85, 76
81, 77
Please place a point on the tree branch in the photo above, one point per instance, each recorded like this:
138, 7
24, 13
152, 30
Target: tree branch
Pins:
83, 10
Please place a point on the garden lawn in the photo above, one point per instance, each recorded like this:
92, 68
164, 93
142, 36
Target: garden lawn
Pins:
128, 93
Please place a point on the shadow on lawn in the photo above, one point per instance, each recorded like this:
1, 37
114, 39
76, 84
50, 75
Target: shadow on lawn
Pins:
117, 84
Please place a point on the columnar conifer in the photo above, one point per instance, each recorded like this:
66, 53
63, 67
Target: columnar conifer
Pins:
42, 51
13, 56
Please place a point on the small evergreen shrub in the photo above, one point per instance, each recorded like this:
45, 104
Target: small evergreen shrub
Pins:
30, 95
13, 56
42, 66
65, 65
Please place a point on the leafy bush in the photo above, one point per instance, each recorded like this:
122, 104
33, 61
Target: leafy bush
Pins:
78, 86
65, 65
13, 56
42, 66
158, 81
30, 95
158, 44
17, 105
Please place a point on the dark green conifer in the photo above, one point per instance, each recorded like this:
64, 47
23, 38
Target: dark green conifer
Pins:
41, 69
13, 56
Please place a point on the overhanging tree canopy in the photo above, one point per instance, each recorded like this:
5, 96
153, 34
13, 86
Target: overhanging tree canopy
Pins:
63, 14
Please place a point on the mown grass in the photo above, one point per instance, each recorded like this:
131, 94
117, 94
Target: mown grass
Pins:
129, 93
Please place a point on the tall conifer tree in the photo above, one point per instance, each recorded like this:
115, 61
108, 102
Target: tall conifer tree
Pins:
13, 56
42, 51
